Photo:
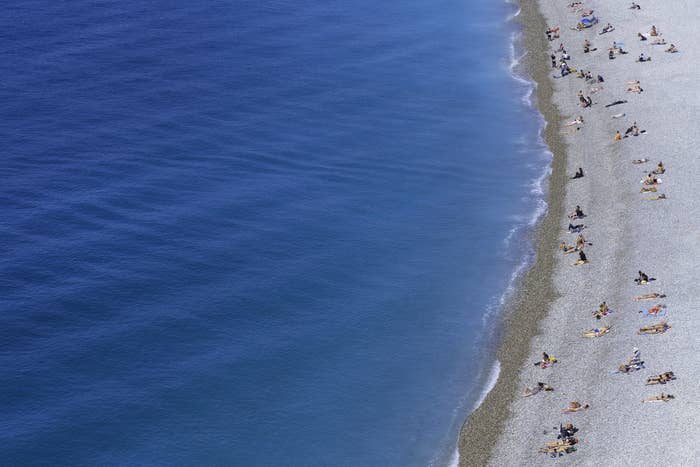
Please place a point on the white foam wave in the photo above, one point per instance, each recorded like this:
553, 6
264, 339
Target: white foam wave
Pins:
514, 15
490, 384
514, 72
454, 460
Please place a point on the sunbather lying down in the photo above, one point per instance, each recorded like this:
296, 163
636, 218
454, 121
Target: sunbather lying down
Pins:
560, 447
658, 328
566, 249
575, 407
647, 189
567, 441
655, 310
650, 296
655, 198
640, 161
576, 228
630, 368
596, 332
546, 361
537, 389
578, 121
663, 378
662, 398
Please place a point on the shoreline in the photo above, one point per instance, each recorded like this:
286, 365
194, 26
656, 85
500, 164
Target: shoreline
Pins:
521, 315
631, 225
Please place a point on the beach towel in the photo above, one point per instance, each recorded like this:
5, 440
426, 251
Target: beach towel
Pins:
649, 312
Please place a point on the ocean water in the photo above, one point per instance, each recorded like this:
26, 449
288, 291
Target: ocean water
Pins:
257, 233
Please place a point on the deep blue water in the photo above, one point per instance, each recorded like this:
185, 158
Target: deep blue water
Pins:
255, 232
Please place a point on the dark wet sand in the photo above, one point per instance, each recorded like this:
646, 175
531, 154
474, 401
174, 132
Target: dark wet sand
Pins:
535, 290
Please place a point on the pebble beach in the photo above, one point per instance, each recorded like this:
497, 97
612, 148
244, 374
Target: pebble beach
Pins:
626, 231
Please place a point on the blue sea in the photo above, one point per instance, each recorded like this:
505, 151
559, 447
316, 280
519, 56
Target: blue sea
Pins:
257, 233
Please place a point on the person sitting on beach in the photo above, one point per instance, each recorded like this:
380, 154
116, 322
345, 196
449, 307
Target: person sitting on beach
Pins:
575, 407
540, 387
633, 363
546, 361
659, 169
633, 130
663, 378
608, 28
579, 172
641, 278
662, 398
635, 6
566, 431
642, 58
650, 179
581, 258
603, 311
580, 242
658, 42
672, 49
618, 136
653, 31
586, 46
641, 36
577, 213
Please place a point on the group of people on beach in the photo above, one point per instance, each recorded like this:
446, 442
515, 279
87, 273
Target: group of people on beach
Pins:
566, 442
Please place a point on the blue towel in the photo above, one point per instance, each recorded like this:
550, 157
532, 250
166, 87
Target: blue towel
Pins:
660, 313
